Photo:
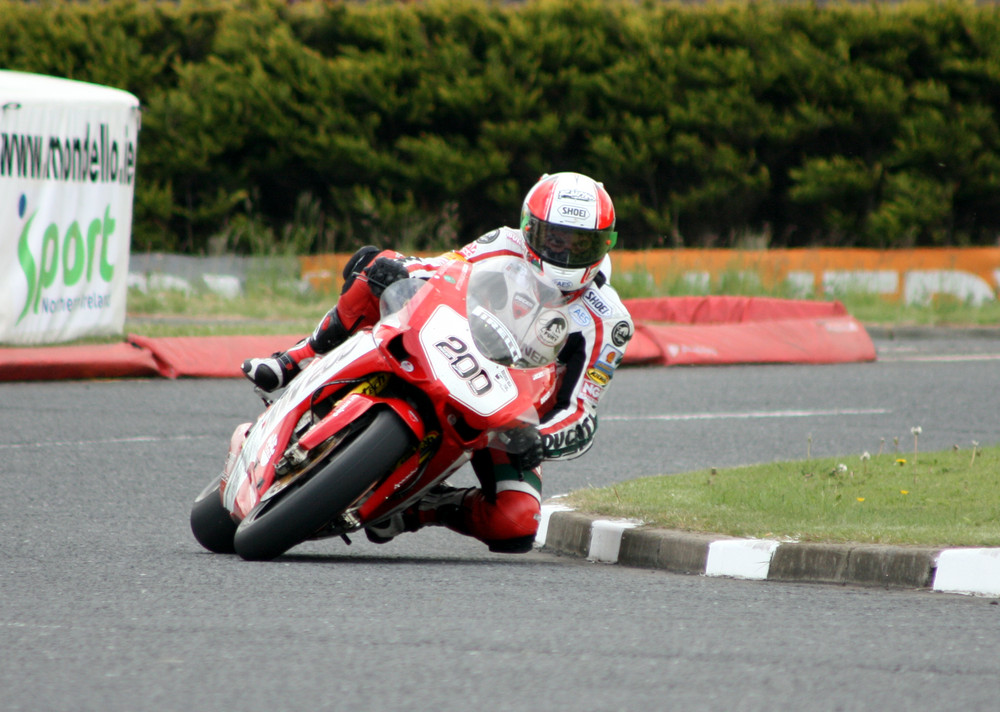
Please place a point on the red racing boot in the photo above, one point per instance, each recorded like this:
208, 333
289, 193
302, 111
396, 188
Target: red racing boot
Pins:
278, 369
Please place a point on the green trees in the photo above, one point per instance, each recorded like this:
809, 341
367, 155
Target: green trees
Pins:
325, 125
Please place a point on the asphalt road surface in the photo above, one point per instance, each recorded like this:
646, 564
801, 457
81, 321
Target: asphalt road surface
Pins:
108, 603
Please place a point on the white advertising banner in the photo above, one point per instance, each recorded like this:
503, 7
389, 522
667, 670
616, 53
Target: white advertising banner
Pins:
67, 173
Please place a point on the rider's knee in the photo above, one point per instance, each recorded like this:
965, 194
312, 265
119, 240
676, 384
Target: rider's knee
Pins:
521, 510
510, 523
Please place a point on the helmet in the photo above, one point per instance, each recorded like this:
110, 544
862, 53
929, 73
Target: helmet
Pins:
568, 223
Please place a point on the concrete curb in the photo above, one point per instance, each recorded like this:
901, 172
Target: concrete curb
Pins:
966, 571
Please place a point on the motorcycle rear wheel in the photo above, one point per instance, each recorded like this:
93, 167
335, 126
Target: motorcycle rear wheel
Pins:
210, 521
352, 468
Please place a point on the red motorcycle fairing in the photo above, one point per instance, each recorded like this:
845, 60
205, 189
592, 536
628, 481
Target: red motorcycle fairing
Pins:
352, 407
236, 441
426, 344
361, 362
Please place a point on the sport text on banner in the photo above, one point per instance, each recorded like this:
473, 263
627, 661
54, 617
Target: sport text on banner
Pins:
67, 180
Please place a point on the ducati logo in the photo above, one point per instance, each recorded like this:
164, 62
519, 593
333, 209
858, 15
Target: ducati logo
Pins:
521, 305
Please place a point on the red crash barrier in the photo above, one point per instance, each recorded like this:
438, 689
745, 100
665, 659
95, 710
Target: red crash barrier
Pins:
174, 357
54, 363
669, 331
728, 310
208, 356
731, 330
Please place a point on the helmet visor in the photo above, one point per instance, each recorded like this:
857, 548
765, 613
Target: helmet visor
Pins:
568, 246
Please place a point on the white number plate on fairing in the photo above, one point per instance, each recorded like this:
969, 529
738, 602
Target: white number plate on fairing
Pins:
474, 381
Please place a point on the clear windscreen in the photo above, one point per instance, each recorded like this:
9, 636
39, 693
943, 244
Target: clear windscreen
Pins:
518, 317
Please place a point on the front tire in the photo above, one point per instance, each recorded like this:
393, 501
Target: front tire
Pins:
211, 523
273, 529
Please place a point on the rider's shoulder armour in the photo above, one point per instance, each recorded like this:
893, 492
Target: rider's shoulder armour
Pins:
502, 241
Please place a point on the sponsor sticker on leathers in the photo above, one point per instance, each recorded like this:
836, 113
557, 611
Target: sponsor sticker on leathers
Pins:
598, 377
580, 315
591, 392
608, 360
621, 333
596, 303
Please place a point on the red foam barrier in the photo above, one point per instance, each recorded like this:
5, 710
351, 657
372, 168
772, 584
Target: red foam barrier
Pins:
643, 348
53, 363
781, 341
731, 330
728, 310
669, 331
208, 356
173, 357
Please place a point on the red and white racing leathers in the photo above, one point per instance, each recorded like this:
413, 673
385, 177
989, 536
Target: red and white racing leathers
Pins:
507, 509
600, 329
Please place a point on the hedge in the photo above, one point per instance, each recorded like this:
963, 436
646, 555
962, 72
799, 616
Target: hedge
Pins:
320, 126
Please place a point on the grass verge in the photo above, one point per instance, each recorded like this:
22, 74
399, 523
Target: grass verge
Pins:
947, 498
263, 311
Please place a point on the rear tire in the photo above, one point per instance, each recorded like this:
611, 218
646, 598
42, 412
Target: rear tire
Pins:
211, 523
302, 511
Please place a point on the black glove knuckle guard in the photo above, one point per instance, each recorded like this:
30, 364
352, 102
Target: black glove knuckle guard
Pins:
383, 272
528, 448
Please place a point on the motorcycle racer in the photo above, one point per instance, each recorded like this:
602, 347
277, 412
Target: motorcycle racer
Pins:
566, 231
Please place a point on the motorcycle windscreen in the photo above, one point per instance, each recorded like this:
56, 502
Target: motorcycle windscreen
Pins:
517, 316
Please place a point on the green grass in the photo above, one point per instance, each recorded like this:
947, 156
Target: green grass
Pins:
943, 311
948, 498
262, 311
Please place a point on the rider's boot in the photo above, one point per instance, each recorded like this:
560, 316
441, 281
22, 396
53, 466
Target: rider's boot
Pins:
441, 506
358, 306
278, 369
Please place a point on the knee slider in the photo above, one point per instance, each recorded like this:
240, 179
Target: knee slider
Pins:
329, 333
519, 545
518, 518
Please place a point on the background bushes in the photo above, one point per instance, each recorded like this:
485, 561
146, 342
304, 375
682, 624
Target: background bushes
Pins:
320, 126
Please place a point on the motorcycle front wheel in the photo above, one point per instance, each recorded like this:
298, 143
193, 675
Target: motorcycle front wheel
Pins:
275, 527
210, 521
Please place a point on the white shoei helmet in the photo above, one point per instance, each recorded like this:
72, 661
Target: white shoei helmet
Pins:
568, 223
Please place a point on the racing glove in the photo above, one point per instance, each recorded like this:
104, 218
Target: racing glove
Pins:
524, 447
383, 272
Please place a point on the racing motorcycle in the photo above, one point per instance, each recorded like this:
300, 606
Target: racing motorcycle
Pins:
457, 362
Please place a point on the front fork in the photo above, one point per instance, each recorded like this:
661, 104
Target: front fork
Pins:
321, 438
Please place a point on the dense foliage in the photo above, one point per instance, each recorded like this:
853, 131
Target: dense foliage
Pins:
324, 125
